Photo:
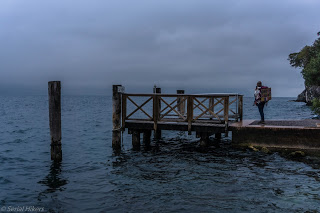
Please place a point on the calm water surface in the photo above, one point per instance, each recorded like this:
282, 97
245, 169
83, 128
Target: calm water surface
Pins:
174, 175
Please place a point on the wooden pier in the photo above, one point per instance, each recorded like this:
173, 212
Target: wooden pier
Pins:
204, 114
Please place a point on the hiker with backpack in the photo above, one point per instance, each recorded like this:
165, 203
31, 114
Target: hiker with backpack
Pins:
262, 95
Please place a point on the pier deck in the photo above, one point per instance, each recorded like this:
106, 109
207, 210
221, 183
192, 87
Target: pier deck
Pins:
210, 127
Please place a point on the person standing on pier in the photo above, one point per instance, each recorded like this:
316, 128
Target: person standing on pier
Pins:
258, 102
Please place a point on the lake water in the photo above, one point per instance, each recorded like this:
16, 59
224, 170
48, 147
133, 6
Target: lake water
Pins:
174, 175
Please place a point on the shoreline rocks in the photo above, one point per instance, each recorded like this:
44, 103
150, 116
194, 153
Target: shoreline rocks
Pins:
309, 94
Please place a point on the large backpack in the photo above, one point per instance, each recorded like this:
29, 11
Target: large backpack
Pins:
265, 94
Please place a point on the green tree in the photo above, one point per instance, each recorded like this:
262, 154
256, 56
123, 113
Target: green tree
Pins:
316, 106
311, 72
308, 60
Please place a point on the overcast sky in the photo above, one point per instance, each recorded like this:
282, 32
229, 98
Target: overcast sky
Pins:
201, 45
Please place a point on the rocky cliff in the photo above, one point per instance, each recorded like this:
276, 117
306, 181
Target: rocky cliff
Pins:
309, 94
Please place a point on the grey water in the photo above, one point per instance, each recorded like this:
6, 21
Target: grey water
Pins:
173, 175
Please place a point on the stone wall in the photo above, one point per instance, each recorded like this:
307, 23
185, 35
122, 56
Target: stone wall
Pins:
276, 137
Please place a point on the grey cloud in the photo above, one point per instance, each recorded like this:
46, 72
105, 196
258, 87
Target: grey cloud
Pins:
206, 45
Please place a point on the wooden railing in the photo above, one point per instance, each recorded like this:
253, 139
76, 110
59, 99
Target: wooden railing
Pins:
207, 108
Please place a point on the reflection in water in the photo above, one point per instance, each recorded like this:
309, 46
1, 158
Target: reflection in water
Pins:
55, 183
53, 180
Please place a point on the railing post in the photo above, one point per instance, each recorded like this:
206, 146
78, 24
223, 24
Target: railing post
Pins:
158, 91
240, 107
124, 111
116, 117
181, 105
211, 103
190, 113
54, 92
155, 115
157, 132
226, 114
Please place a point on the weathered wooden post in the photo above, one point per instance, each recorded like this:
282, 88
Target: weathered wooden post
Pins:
181, 105
136, 140
116, 117
211, 107
54, 92
240, 107
157, 132
147, 137
226, 114
204, 139
190, 113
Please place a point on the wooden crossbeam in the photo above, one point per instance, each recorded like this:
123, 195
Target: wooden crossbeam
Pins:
219, 101
217, 114
197, 106
207, 110
232, 102
168, 105
232, 111
220, 111
172, 109
139, 108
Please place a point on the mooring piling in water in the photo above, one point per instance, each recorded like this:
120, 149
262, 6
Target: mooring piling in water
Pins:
136, 139
54, 93
146, 137
116, 117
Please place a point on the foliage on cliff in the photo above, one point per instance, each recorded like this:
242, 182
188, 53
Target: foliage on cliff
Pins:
316, 106
308, 59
